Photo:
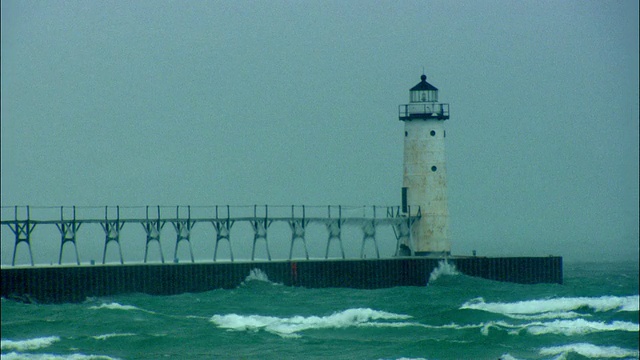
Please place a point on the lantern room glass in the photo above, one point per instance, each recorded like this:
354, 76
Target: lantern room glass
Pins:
424, 96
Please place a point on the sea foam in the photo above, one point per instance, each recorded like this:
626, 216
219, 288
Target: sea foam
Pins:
20, 356
590, 351
30, 344
560, 327
290, 326
507, 357
579, 327
559, 306
114, 306
107, 336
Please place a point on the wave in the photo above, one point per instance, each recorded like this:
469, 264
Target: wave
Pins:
107, 336
444, 268
507, 357
116, 306
579, 327
590, 351
560, 307
30, 344
258, 275
20, 356
559, 327
549, 315
291, 326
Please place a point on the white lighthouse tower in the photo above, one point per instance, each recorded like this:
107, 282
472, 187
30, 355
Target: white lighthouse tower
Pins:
425, 172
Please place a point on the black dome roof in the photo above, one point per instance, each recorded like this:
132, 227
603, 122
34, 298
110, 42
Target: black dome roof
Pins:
423, 85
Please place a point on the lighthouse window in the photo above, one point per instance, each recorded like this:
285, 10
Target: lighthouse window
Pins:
433, 133
433, 168
406, 133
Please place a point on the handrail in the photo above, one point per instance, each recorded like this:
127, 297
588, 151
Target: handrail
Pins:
88, 214
438, 111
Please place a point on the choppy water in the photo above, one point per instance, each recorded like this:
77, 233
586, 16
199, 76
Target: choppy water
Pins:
594, 315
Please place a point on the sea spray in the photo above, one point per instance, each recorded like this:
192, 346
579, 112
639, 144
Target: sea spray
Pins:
259, 276
444, 268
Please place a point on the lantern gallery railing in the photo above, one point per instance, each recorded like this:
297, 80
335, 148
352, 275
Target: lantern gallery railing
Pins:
423, 111
69, 219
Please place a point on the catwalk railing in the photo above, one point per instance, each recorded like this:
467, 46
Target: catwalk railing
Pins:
23, 220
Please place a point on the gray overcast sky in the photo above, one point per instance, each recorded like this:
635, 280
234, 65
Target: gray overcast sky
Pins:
273, 102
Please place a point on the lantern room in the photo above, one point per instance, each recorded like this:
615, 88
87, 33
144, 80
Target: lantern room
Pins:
423, 92
423, 103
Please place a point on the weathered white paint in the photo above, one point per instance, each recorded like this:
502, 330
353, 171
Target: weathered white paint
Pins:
424, 149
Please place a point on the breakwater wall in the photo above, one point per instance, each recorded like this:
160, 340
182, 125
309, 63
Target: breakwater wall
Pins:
55, 284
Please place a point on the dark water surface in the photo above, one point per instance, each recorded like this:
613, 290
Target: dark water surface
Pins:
594, 315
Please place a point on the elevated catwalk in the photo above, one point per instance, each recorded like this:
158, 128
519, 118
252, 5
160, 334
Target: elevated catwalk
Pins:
74, 283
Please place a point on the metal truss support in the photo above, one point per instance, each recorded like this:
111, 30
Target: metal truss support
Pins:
369, 232
260, 227
153, 228
402, 231
298, 227
183, 232
22, 231
223, 231
68, 230
112, 232
334, 227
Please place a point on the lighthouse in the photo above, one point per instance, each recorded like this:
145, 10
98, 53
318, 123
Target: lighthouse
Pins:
424, 187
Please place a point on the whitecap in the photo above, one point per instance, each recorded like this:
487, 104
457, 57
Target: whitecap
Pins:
590, 351
485, 327
507, 357
30, 344
579, 327
108, 336
290, 326
116, 306
21, 356
549, 315
557, 305
558, 327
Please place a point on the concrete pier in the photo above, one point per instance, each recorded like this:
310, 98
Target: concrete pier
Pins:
74, 283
